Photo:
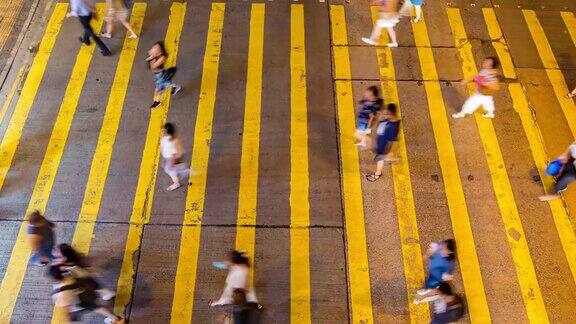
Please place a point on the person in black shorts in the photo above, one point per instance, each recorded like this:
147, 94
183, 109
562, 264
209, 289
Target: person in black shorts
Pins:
387, 134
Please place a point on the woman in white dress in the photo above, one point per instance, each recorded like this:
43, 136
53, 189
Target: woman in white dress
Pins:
117, 12
172, 151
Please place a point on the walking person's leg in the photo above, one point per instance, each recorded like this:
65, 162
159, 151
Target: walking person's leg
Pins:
418, 11
567, 176
488, 104
392, 34
85, 22
126, 24
470, 105
88, 32
109, 27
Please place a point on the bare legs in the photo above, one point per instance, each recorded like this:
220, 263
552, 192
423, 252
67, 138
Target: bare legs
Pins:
110, 28
375, 36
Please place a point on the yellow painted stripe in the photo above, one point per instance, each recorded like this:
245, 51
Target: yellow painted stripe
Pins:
570, 22
356, 251
11, 93
299, 182
248, 189
499, 43
144, 195
13, 132
101, 160
522, 107
405, 209
557, 207
551, 66
12, 281
528, 281
184, 289
467, 257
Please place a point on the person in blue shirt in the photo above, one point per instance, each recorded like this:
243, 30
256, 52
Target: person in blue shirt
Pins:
387, 134
83, 9
370, 104
439, 260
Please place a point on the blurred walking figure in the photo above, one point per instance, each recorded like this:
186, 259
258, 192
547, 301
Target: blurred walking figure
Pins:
78, 296
242, 311
571, 94
386, 135
117, 12
77, 265
408, 5
238, 277
156, 58
565, 174
388, 19
172, 151
83, 9
370, 104
41, 238
486, 84
448, 307
439, 260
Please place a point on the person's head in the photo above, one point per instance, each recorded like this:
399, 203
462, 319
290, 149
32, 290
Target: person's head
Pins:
490, 62
237, 257
69, 254
239, 297
169, 130
55, 273
36, 218
445, 289
159, 48
448, 248
390, 111
372, 93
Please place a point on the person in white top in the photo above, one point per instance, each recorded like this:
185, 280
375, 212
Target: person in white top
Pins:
117, 12
486, 84
238, 277
388, 19
566, 175
172, 151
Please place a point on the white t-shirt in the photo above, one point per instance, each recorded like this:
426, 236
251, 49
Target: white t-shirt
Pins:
237, 277
170, 147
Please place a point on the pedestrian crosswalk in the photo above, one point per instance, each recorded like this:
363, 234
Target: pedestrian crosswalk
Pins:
479, 194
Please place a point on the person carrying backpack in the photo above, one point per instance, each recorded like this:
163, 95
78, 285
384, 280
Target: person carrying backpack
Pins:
448, 307
77, 296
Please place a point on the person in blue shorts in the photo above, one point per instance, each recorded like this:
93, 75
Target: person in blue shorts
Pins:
370, 104
387, 134
406, 9
439, 260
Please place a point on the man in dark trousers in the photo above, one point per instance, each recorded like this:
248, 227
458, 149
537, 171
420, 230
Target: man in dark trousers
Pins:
83, 10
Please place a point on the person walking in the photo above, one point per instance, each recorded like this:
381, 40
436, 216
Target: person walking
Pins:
439, 260
406, 9
370, 105
386, 135
77, 265
570, 94
40, 236
156, 58
566, 174
77, 296
486, 84
448, 307
117, 12
238, 277
388, 19
83, 9
172, 151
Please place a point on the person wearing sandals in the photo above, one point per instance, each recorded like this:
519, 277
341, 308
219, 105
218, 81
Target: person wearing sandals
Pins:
387, 134
566, 175
117, 12
406, 9
156, 58
172, 151
370, 104
570, 94
388, 19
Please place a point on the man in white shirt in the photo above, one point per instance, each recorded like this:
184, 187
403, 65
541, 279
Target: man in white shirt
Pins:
83, 10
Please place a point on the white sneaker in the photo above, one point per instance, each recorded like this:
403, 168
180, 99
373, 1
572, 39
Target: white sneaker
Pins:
106, 294
458, 115
422, 292
488, 115
368, 41
392, 44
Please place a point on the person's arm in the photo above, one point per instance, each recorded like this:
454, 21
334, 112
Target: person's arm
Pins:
157, 62
430, 293
370, 120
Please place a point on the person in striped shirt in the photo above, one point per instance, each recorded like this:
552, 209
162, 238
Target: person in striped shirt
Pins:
486, 84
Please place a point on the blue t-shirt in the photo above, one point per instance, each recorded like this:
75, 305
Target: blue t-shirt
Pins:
387, 131
417, 2
438, 265
368, 108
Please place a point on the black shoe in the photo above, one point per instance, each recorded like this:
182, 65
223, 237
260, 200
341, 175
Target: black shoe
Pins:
155, 104
106, 53
85, 42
